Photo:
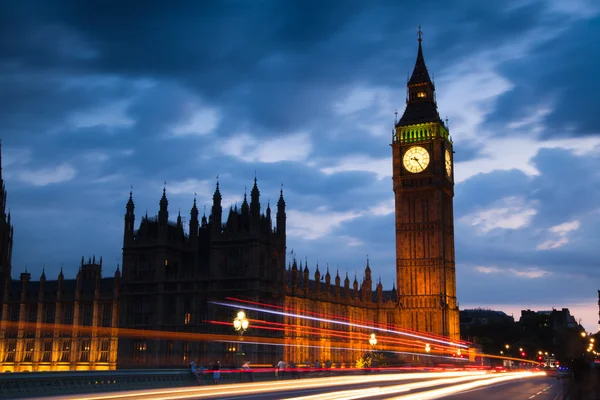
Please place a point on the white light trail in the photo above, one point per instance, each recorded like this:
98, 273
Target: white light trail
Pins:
373, 328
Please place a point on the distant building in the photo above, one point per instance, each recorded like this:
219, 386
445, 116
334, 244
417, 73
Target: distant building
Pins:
482, 316
557, 320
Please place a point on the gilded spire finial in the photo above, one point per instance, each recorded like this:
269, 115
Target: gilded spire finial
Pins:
420, 34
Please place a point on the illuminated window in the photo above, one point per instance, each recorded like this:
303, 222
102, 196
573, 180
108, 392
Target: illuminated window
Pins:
139, 352
11, 350
84, 354
47, 354
187, 318
421, 94
66, 351
28, 351
166, 262
186, 352
104, 348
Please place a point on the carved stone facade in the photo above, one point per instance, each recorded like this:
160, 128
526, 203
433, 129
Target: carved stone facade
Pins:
169, 279
308, 340
60, 325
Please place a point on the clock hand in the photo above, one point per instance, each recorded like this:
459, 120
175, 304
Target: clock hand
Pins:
417, 160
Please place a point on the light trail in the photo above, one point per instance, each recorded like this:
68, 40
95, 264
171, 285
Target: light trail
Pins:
446, 391
231, 305
314, 331
455, 387
456, 381
344, 318
264, 387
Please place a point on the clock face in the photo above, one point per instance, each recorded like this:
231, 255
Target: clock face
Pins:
448, 163
416, 159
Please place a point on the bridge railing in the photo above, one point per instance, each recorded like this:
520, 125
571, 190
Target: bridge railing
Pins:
38, 384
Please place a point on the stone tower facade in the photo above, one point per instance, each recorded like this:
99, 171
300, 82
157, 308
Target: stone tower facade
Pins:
170, 278
423, 181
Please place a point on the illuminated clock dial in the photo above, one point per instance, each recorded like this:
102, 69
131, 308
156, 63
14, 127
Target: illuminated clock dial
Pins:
448, 163
416, 159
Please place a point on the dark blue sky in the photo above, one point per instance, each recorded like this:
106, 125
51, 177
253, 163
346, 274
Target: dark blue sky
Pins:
96, 96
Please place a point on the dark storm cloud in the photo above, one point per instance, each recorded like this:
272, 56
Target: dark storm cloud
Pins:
276, 63
559, 74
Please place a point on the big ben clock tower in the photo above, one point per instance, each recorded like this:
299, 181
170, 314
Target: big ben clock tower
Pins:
423, 179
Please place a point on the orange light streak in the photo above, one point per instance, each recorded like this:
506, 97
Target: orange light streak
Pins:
345, 319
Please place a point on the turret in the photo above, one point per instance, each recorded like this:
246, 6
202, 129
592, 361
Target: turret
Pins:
217, 211
129, 221
194, 220
355, 286
281, 217
42, 290
163, 212
117, 282
245, 208
268, 217
179, 224
59, 288
367, 284
317, 280
6, 232
380, 292
337, 283
255, 202
204, 221
327, 281
306, 283
25, 279
294, 275
346, 286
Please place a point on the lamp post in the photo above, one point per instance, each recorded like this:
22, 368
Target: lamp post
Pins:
240, 324
373, 343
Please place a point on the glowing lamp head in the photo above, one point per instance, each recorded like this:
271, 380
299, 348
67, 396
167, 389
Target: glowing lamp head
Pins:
241, 315
237, 324
373, 340
244, 324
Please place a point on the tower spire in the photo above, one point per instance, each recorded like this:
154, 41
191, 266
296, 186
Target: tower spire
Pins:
421, 106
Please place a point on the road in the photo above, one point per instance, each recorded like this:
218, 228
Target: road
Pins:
405, 386
543, 388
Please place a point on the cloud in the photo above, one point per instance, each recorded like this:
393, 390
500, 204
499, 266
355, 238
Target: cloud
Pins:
294, 147
487, 270
508, 213
560, 232
113, 115
201, 122
189, 187
47, 176
314, 225
530, 273
382, 168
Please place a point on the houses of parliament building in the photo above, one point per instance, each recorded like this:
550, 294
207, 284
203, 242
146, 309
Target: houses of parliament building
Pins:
145, 312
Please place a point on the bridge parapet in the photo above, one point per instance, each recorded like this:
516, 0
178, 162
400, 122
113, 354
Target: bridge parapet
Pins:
36, 384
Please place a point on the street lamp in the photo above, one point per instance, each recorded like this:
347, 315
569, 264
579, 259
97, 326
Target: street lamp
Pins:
427, 348
240, 324
583, 334
373, 343
373, 340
